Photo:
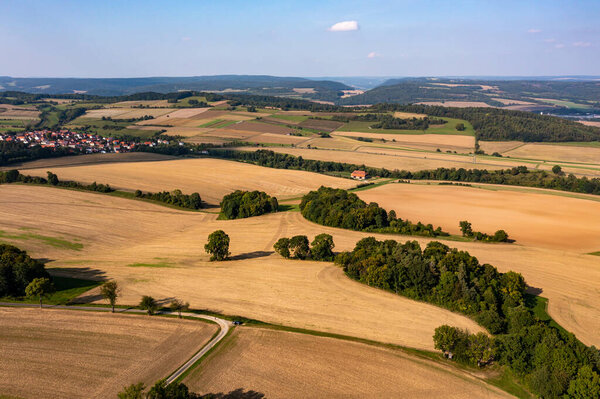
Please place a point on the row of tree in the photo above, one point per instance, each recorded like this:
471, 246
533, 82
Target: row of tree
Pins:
297, 247
467, 231
175, 197
340, 208
549, 361
517, 176
387, 121
243, 204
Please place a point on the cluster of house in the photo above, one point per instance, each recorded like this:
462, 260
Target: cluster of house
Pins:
83, 142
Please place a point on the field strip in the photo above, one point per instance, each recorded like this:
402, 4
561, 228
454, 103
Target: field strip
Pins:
223, 328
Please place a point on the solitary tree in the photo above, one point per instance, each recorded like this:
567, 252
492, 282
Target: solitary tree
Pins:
217, 245
466, 229
460, 127
179, 306
110, 291
282, 246
557, 170
52, 179
322, 246
39, 287
299, 248
133, 391
500, 236
148, 304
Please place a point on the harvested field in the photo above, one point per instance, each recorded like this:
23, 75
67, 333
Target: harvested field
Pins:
308, 90
13, 112
145, 103
90, 159
282, 364
324, 125
74, 354
261, 128
408, 115
275, 138
179, 117
540, 220
133, 113
556, 152
499, 146
459, 104
591, 123
467, 142
508, 101
256, 283
104, 112
212, 178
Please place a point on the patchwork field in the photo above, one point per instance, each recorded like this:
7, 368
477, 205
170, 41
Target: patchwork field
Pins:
465, 142
152, 250
288, 365
212, 178
90, 159
531, 218
74, 354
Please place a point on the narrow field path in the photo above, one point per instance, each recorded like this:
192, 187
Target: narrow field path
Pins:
224, 326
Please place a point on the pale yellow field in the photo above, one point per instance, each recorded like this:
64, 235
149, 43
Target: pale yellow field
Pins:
73, 354
591, 123
498, 146
256, 283
508, 101
212, 178
274, 138
281, 364
551, 152
408, 115
533, 219
435, 139
147, 103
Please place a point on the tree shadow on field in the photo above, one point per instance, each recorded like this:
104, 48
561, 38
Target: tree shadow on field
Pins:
534, 290
236, 394
251, 255
83, 273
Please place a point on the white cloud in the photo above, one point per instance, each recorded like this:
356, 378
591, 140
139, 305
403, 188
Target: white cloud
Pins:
582, 44
533, 30
344, 26
373, 54
559, 45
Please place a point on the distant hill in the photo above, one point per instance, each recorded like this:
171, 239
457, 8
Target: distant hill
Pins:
324, 90
570, 94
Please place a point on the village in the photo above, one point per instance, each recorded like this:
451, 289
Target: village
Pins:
78, 141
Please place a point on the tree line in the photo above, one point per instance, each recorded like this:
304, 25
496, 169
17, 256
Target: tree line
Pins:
551, 362
297, 247
467, 231
386, 121
517, 176
243, 204
339, 208
175, 197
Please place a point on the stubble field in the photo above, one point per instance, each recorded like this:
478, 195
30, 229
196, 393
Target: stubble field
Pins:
73, 354
212, 178
288, 365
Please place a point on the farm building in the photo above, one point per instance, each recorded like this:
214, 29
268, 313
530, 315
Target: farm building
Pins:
360, 175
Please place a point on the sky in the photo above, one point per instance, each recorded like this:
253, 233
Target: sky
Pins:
299, 38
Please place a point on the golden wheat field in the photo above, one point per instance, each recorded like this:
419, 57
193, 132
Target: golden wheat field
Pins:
282, 364
552, 152
468, 142
153, 250
212, 178
531, 218
159, 251
73, 354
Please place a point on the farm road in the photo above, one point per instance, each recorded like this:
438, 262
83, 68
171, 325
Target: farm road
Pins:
224, 326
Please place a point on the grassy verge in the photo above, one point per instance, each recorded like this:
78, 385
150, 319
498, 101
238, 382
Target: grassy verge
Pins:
67, 289
539, 306
52, 241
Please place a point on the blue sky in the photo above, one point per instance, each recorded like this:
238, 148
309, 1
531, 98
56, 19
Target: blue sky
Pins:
294, 38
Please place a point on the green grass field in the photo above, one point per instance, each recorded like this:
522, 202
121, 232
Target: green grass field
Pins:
218, 123
447, 129
51, 241
565, 103
66, 289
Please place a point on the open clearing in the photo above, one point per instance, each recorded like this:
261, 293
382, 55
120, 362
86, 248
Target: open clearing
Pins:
73, 354
535, 219
281, 364
212, 178
116, 233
